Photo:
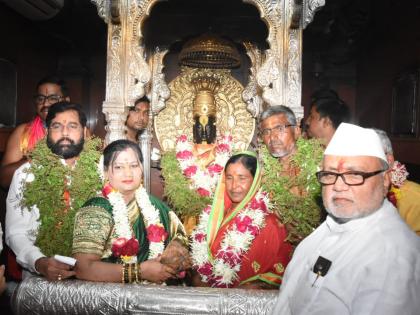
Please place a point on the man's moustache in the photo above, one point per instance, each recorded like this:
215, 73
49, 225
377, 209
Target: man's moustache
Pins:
65, 139
276, 143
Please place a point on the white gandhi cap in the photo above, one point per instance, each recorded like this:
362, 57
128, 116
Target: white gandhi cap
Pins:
352, 140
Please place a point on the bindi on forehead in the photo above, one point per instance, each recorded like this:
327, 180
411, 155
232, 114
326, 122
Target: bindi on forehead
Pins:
67, 116
340, 164
49, 88
345, 163
142, 106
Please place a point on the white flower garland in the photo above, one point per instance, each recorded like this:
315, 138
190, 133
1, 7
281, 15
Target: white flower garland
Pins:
222, 271
398, 174
122, 225
151, 216
203, 179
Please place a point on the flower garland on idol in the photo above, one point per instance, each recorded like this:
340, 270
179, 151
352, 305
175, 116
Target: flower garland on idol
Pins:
126, 246
222, 270
398, 177
204, 180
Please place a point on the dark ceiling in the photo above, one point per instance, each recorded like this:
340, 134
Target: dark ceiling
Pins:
337, 31
179, 20
334, 36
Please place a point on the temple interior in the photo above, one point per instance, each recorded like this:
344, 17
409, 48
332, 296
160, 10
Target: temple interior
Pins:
368, 51
358, 48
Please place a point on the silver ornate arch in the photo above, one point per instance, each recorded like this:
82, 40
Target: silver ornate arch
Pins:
277, 72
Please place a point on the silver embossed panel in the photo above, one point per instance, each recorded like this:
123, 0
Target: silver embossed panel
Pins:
35, 295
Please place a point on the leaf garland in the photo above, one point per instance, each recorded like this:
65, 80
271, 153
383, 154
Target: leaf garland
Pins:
48, 189
301, 214
185, 201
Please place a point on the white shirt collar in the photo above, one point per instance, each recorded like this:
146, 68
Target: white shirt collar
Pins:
355, 224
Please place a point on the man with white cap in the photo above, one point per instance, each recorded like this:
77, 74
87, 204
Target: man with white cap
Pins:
363, 259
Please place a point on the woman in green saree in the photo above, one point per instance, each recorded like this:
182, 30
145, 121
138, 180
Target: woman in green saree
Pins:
121, 236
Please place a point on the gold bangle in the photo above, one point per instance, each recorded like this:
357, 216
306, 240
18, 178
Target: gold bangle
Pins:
126, 279
133, 272
129, 273
136, 273
122, 273
139, 272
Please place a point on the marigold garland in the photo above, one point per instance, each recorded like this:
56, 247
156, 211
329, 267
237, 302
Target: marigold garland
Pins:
48, 191
301, 214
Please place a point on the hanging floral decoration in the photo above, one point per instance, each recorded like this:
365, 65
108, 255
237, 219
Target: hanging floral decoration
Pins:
126, 246
202, 180
222, 270
399, 175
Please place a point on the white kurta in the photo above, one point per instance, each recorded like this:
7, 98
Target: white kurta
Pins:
375, 269
21, 224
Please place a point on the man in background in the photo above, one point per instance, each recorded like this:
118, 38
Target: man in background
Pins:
23, 139
137, 119
137, 122
324, 118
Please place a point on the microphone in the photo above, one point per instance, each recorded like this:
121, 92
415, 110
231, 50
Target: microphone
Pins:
321, 267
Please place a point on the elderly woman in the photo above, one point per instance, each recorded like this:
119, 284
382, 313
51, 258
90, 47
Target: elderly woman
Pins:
239, 242
121, 236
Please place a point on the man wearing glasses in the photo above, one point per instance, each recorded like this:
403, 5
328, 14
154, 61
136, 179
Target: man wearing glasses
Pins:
363, 259
290, 163
23, 139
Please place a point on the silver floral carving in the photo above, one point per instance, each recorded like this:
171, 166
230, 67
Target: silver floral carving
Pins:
294, 79
102, 7
310, 7
138, 72
250, 94
116, 117
267, 76
160, 91
114, 87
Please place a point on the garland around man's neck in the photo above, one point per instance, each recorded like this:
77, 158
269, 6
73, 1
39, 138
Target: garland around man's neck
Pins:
58, 191
300, 213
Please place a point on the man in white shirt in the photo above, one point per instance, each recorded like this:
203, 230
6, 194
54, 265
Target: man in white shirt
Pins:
49, 210
363, 259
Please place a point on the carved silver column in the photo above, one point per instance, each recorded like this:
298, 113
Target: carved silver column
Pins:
127, 70
145, 141
280, 75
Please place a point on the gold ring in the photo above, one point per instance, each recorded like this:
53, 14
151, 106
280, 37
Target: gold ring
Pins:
59, 277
